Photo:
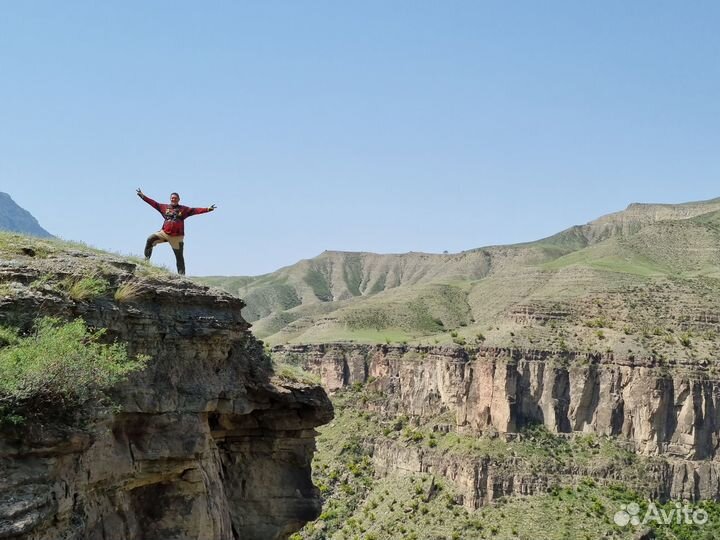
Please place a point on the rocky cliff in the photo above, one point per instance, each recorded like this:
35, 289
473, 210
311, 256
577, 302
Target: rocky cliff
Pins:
662, 418
205, 443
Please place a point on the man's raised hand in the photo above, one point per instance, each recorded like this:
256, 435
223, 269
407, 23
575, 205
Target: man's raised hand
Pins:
139, 192
211, 208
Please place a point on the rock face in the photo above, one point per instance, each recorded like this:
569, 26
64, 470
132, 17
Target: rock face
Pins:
668, 413
204, 444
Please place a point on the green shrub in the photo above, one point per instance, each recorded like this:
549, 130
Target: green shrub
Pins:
295, 373
414, 436
600, 322
8, 336
86, 288
57, 369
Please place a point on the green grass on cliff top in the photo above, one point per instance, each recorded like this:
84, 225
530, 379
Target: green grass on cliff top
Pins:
17, 244
14, 245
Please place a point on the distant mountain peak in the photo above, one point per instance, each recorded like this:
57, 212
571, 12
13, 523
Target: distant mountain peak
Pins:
14, 218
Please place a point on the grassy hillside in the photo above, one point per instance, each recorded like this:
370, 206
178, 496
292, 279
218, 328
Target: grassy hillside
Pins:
623, 282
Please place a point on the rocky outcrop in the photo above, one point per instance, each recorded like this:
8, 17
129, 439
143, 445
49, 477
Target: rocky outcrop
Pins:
482, 480
205, 443
669, 410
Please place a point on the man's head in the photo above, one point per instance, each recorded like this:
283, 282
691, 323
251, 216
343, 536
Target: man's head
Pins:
174, 198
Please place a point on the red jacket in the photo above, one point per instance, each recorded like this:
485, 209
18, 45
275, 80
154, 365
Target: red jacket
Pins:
174, 215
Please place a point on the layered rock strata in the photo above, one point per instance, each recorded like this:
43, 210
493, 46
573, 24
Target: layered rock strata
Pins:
203, 444
667, 412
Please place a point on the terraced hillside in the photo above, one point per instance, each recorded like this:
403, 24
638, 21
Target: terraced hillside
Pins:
638, 281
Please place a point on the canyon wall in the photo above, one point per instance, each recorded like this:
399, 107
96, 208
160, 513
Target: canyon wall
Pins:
665, 412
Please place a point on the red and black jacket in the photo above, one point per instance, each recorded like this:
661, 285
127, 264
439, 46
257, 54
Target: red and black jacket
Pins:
174, 215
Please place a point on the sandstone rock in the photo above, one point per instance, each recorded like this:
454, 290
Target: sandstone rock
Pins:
206, 444
669, 414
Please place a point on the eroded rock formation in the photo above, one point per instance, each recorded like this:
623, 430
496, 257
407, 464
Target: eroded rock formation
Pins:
668, 413
203, 444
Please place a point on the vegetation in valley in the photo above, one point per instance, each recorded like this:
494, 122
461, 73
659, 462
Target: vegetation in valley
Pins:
361, 500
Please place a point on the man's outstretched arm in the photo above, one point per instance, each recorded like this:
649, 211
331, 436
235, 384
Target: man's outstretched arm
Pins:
196, 211
154, 204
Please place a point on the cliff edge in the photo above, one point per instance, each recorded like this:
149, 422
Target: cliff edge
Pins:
205, 443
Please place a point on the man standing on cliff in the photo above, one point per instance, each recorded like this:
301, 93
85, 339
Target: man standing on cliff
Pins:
173, 229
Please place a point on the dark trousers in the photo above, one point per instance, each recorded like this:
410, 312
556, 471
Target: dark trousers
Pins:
153, 239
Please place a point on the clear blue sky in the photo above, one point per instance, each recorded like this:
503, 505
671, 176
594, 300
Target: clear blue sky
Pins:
358, 125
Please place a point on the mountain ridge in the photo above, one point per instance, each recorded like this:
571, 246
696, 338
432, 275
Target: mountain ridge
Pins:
14, 218
345, 295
